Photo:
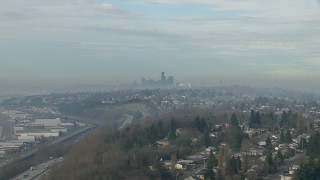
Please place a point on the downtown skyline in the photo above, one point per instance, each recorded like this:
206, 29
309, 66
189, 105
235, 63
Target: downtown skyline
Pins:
81, 42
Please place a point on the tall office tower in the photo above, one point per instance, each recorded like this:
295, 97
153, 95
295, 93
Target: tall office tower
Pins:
143, 81
163, 78
170, 80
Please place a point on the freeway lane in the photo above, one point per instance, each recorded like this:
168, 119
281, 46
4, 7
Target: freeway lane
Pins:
37, 170
55, 141
11, 169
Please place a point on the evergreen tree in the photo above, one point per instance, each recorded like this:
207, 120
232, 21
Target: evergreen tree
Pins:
269, 163
160, 129
209, 174
173, 163
288, 137
252, 120
212, 161
172, 130
206, 138
268, 143
313, 146
282, 136
272, 116
233, 166
126, 144
203, 125
301, 124
303, 143
234, 120
234, 133
310, 170
284, 119
292, 119
239, 163
196, 123
245, 149
258, 119
153, 134
280, 157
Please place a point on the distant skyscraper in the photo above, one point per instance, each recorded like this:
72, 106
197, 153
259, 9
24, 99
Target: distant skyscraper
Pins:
163, 78
143, 81
170, 80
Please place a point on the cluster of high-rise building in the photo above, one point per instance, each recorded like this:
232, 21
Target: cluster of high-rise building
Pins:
163, 82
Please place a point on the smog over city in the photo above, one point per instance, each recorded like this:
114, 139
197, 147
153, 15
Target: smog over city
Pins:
69, 43
159, 89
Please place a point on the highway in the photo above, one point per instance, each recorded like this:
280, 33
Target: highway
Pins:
33, 151
127, 121
30, 158
35, 171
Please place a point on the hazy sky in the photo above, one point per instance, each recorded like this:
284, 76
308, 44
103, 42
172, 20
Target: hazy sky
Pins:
71, 42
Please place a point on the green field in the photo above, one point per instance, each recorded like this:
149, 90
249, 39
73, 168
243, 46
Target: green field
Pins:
136, 107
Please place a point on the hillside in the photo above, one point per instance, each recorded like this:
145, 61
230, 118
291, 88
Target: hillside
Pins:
134, 152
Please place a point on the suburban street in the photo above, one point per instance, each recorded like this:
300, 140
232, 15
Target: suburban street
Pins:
297, 159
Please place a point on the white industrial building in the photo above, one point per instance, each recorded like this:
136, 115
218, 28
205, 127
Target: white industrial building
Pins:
26, 139
68, 125
38, 134
59, 129
47, 122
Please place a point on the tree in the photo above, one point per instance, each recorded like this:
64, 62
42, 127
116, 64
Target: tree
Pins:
223, 159
234, 133
269, 163
126, 144
258, 119
173, 163
292, 119
313, 146
303, 143
310, 170
255, 119
288, 137
284, 119
233, 166
280, 157
245, 148
160, 129
252, 120
268, 143
152, 134
234, 120
206, 138
196, 123
212, 161
301, 124
203, 125
239, 163
209, 174
282, 136
172, 130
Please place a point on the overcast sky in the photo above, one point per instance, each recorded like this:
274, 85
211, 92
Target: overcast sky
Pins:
70, 42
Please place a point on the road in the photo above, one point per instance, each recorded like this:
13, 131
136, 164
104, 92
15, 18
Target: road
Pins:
31, 152
297, 159
127, 121
31, 159
36, 171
